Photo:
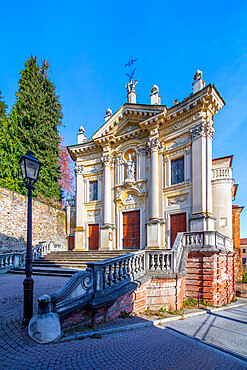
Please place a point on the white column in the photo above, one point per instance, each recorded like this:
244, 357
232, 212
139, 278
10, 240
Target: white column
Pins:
154, 239
107, 193
106, 230
201, 219
154, 181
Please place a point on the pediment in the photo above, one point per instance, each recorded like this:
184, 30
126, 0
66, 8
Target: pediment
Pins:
127, 119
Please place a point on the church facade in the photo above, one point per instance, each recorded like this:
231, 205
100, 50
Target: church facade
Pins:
147, 173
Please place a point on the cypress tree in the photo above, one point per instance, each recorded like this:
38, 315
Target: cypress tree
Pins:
34, 120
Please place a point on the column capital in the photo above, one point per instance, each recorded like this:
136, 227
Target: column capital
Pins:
204, 129
154, 144
79, 169
106, 159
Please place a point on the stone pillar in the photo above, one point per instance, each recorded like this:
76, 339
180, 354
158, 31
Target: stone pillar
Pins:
202, 218
153, 225
80, 227
106, 230
238, 268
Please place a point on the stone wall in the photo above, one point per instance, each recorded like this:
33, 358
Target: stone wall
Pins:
48, 222
212, 276
153, 294
236, 210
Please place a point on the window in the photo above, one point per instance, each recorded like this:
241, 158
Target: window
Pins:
93, 190
177, 171
244, 250
244, 261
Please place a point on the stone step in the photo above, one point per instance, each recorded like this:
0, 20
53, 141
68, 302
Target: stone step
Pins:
48, 272
67, 263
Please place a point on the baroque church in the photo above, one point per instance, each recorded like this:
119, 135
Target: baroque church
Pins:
148, 173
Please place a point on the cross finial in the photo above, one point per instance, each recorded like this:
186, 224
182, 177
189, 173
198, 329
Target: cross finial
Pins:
130, 65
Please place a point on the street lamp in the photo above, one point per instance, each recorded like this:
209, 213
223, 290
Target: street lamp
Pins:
30, 167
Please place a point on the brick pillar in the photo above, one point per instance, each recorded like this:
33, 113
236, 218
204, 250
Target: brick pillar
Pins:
236, 210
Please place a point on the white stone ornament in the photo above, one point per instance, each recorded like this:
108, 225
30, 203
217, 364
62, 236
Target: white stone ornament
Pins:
45, 326
80, 136
130, 199
130, 168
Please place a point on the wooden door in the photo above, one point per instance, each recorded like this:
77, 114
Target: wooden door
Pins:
71, 242
93, 237
178, 224
131, 230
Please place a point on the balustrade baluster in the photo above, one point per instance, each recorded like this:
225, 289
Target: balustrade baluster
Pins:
162, 261
139, 263
125, 269
104, 277
115, 273
120, 271
129, 264
168, 261
133, 266
158, 262
110, 276
152, 262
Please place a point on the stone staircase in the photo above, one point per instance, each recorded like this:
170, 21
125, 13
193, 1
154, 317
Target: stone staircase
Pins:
67, 263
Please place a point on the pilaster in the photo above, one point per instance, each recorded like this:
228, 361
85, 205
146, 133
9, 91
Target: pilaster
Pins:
202, 218
106, 230
80, 228
154, 224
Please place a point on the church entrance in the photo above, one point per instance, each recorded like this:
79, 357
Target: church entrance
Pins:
131, 230
93, 237
178, 224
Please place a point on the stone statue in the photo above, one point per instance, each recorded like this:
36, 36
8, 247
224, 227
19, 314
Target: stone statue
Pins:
130, 168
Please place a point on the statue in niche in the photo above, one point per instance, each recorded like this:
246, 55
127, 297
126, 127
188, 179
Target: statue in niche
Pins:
130, 168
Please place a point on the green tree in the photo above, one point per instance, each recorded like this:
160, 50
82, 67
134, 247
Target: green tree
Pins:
3, 107
33, 125
10, 176
9, 171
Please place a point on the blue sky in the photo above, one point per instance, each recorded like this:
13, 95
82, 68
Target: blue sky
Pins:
88, 43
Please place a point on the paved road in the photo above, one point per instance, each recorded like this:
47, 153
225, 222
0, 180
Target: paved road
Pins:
225, 329
149, 348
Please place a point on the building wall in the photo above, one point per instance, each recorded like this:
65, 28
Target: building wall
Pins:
48, 222
243, 247
236, 210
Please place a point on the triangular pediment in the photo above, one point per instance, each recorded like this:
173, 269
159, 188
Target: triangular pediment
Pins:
127, 119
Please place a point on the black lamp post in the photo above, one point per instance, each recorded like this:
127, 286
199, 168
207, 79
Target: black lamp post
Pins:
30, 167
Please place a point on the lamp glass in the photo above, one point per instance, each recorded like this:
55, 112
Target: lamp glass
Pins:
29, 168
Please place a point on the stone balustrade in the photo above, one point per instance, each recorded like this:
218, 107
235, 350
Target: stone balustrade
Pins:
117, 270
17, 259
207, 239
46, 247
221, 173
11, 260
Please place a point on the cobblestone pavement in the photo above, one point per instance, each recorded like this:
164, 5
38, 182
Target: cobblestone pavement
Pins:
149, 348
225, 329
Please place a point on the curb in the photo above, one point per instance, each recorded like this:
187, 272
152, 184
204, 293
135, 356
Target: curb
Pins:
141, 325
